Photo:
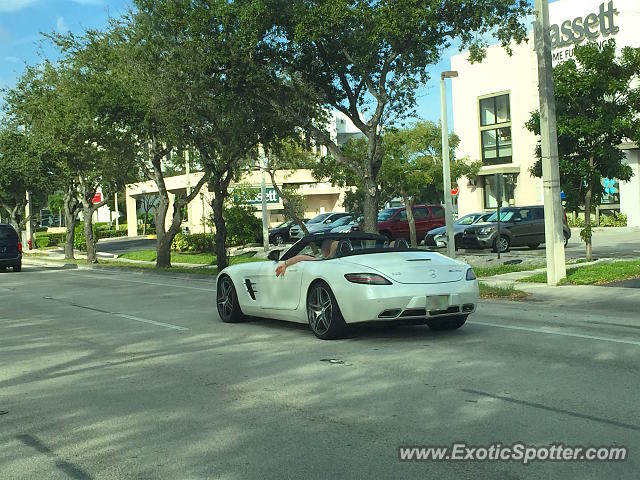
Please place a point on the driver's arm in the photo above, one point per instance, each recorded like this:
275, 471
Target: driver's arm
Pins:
282, 266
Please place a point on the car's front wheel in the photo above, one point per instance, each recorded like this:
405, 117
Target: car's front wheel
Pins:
227, 301
17, 267
325, 319
501, 244
447, 323
278, 240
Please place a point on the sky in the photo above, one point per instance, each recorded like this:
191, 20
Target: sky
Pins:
22, 21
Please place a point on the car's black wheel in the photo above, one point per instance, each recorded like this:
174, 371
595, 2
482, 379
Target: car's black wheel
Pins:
278, 240
533, 246
566, 240
325, 319
502, 243
17, 267
447, 323
227, 301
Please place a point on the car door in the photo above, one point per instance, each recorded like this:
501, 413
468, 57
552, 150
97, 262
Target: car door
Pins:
400, 224
521, 227
437, 217
537, 226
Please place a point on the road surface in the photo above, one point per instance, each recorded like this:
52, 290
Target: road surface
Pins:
109, 375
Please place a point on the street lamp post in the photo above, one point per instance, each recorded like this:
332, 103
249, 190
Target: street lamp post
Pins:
446, 167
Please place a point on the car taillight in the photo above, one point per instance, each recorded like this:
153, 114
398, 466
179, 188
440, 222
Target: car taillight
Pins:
19, 247
367, 278
565, 215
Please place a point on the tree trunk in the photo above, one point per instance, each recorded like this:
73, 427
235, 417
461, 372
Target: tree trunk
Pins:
71, 206
221, 229
587, 222
410, 219
163, 247
90, 242
370, 205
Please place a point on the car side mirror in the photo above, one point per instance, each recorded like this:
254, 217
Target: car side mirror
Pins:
274, 255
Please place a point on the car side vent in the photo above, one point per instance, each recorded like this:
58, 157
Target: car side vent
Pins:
419, 260
392, 313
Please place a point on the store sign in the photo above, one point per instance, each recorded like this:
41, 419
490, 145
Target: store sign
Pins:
272, 197
590, 27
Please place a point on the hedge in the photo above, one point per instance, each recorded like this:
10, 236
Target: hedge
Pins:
42, 241
615, 220
195, 243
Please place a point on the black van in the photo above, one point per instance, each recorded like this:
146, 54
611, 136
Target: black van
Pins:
10, 249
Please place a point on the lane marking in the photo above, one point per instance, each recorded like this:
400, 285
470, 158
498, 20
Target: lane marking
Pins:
121, 315
116, 278
152, 322
549, 331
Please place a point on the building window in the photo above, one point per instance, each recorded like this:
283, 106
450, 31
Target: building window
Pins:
508, 191
495, 129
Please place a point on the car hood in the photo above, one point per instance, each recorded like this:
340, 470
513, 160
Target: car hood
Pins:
476, 227
410, 267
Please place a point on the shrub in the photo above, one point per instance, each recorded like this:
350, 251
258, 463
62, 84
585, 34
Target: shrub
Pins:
79, 240
243, 226
41, 229
42, 241
111, 233
613, 220
194, 243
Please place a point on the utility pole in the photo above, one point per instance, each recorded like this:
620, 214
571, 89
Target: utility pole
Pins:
29, 225
446, 167
187, 169
553, 232
263, 189
117, 212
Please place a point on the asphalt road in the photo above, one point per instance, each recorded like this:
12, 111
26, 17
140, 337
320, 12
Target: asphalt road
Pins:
112, 375
125, 244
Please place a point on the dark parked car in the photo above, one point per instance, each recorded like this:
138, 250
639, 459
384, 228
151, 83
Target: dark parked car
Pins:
280, 234
438, 236
393, 223
317, 222
520, 226
10, 248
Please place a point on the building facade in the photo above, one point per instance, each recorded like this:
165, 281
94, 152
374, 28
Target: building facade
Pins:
494, 99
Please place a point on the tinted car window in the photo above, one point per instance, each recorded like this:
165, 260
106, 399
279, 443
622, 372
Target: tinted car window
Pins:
8, 234
525, 214
538, 213
420, 213
385, 214
437, 212
402, 216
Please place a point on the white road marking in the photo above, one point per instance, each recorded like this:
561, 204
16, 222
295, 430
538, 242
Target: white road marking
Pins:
549, 331
152, 322
117, 278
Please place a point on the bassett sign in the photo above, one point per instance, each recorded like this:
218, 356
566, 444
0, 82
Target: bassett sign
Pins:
589, 28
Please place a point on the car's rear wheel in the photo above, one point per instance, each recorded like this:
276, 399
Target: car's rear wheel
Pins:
501, 244
447, 323
17, 267
325, 319
227, 302
566, 240
278, 240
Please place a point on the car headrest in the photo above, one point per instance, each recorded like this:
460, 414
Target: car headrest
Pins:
345, 247
402, 244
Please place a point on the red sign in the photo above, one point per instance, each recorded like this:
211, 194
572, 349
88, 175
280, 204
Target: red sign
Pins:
455, 191
97, 198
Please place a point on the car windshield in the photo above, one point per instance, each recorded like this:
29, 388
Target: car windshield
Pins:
386, 214
466, 220
318, 218
341, 221
504, 216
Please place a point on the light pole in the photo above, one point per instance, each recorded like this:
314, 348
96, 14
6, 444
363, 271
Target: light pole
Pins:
553, 231
263, 193
446, 168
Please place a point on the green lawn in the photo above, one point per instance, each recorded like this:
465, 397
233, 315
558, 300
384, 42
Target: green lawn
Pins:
193, 258
598, 274
500, 269
507, 293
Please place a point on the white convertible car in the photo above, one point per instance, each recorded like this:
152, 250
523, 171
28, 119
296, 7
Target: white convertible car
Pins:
365, 280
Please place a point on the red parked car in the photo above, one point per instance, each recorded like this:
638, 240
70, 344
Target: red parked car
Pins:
393, 223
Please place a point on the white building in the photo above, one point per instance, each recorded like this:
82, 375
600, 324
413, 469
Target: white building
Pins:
492, 101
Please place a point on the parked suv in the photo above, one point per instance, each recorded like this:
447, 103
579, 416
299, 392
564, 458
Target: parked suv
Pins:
10, 248
317, 222
393, 223
519, 226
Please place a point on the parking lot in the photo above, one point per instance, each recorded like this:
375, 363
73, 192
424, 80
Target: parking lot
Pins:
119, 375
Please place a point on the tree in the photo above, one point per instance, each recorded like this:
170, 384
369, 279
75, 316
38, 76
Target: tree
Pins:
148, 202
367, 59
597, 108
21, 169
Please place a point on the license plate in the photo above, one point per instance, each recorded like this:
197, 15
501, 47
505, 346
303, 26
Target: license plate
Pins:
438, 302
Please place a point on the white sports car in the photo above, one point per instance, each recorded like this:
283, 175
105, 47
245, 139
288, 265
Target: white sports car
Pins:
364, 280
